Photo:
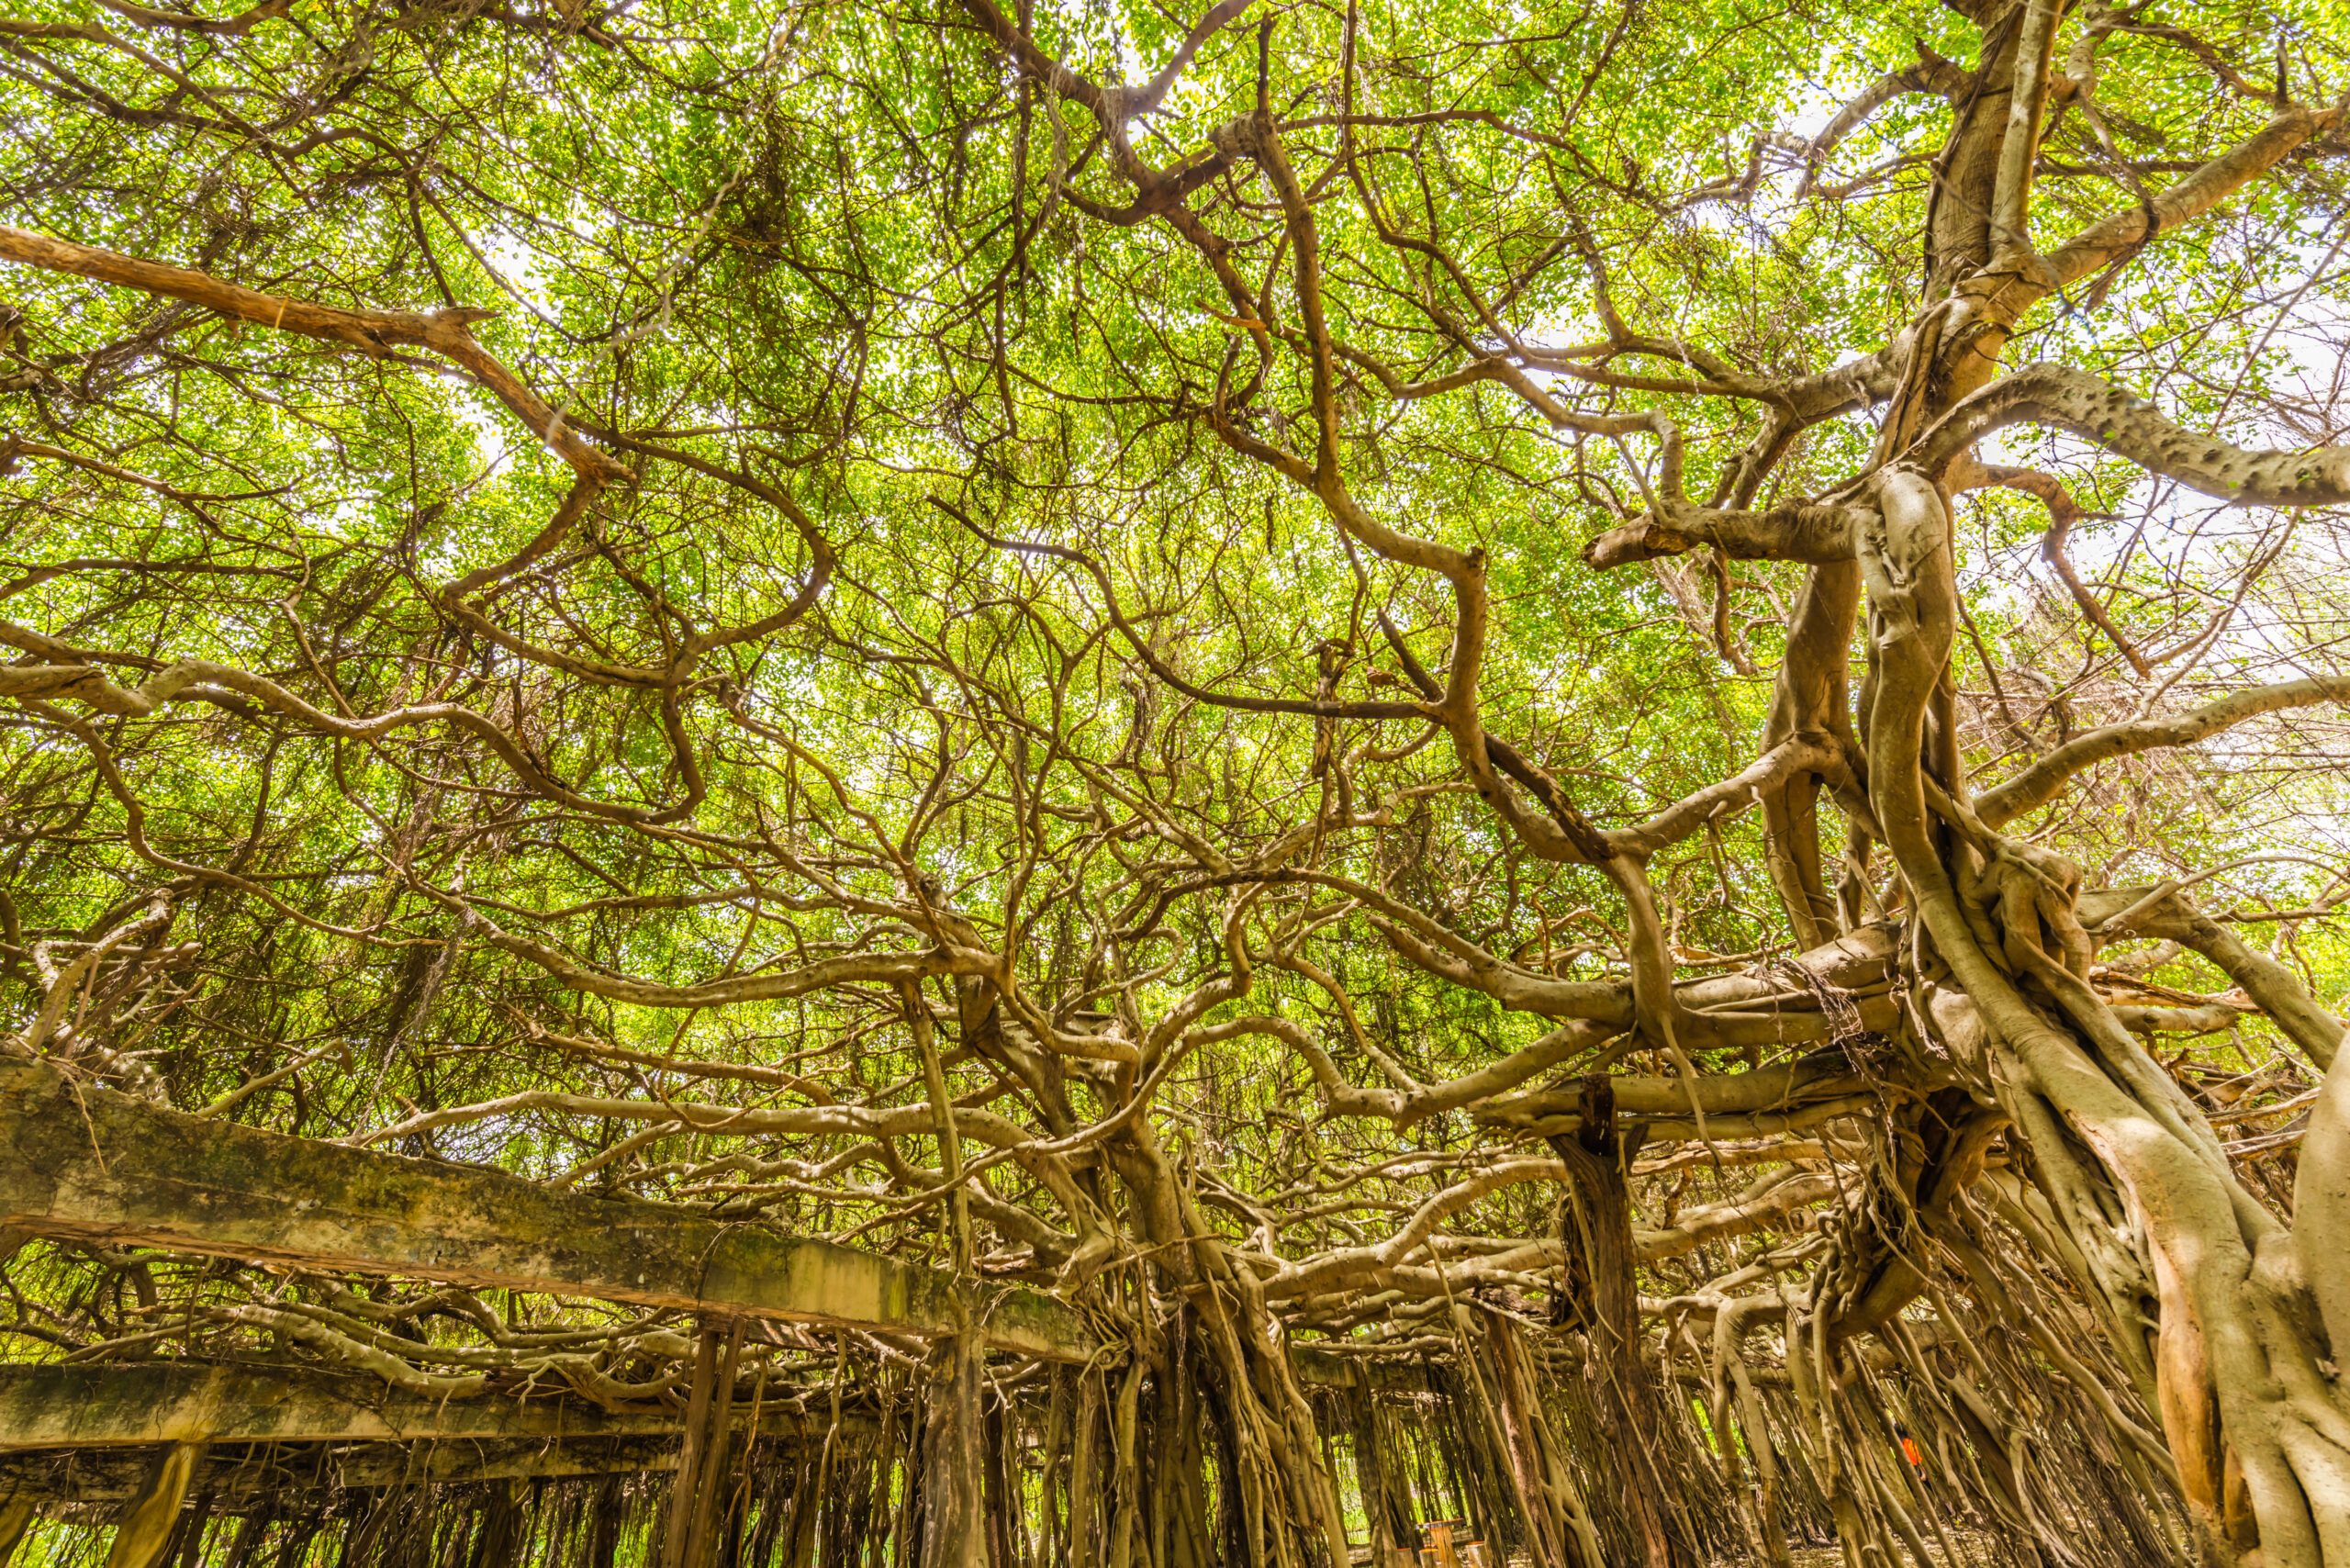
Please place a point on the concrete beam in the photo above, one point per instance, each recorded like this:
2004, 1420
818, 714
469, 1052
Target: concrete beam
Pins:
88, 1164
145, 1402
238, 1481
78, 1435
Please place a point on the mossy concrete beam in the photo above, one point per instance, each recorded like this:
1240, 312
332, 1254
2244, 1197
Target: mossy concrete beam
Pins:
141, 1404
89, 1164
80, 1435
68, 1484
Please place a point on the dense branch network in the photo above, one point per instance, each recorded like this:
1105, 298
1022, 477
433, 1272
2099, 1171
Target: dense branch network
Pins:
1352, 697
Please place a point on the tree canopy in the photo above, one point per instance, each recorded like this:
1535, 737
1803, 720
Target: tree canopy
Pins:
1631, 708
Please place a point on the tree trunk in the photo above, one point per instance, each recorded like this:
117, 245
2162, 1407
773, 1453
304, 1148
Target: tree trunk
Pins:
1623, 1397
2259, 1433
953, 1514
145, 1533
1386, 1499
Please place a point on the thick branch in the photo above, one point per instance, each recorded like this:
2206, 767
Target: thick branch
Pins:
2097, 411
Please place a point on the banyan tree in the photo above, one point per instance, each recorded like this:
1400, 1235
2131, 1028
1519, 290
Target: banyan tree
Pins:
793, 782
